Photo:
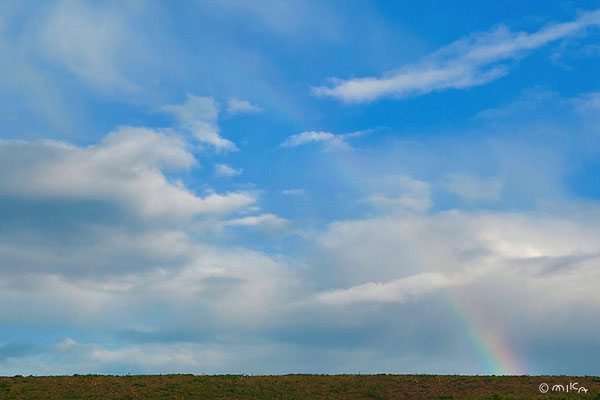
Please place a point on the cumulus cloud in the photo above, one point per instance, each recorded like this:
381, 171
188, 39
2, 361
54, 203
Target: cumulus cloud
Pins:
115, 207
198, 115
127, 166
531, 272
237, 106
231, 288
226, 170
88, 230
414, 254
472, 61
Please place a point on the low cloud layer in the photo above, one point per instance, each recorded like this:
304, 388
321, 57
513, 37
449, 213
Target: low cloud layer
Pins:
114, 226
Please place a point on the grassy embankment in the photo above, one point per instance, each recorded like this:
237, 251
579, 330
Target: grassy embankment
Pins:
292, 387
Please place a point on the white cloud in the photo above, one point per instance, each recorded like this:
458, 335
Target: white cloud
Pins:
99, 228
313, 136
328, 138
226, 170
396, 291
409, 254
237, 106
531, 268
527, 270
269, 221
232, 286
127, 167
498, 261
198, 115
468, 62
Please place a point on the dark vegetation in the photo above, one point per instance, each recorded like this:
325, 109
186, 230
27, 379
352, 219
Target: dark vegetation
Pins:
300, 387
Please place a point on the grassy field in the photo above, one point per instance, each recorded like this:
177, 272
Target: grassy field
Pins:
293, 387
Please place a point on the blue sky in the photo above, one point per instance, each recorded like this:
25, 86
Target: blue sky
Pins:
304, 186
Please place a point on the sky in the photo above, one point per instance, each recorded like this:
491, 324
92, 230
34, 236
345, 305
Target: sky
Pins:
270, 187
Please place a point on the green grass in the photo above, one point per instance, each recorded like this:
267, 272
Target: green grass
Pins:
299, 387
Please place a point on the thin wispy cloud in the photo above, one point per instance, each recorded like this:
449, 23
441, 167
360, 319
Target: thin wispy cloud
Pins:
227, 170
397, 291
472, 61
400, 194
294, 192
237, 106
198, 115
265, 221
327, 138
473, 188
103, 39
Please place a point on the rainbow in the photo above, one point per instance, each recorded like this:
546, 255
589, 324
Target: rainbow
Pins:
497, 354
487, 339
